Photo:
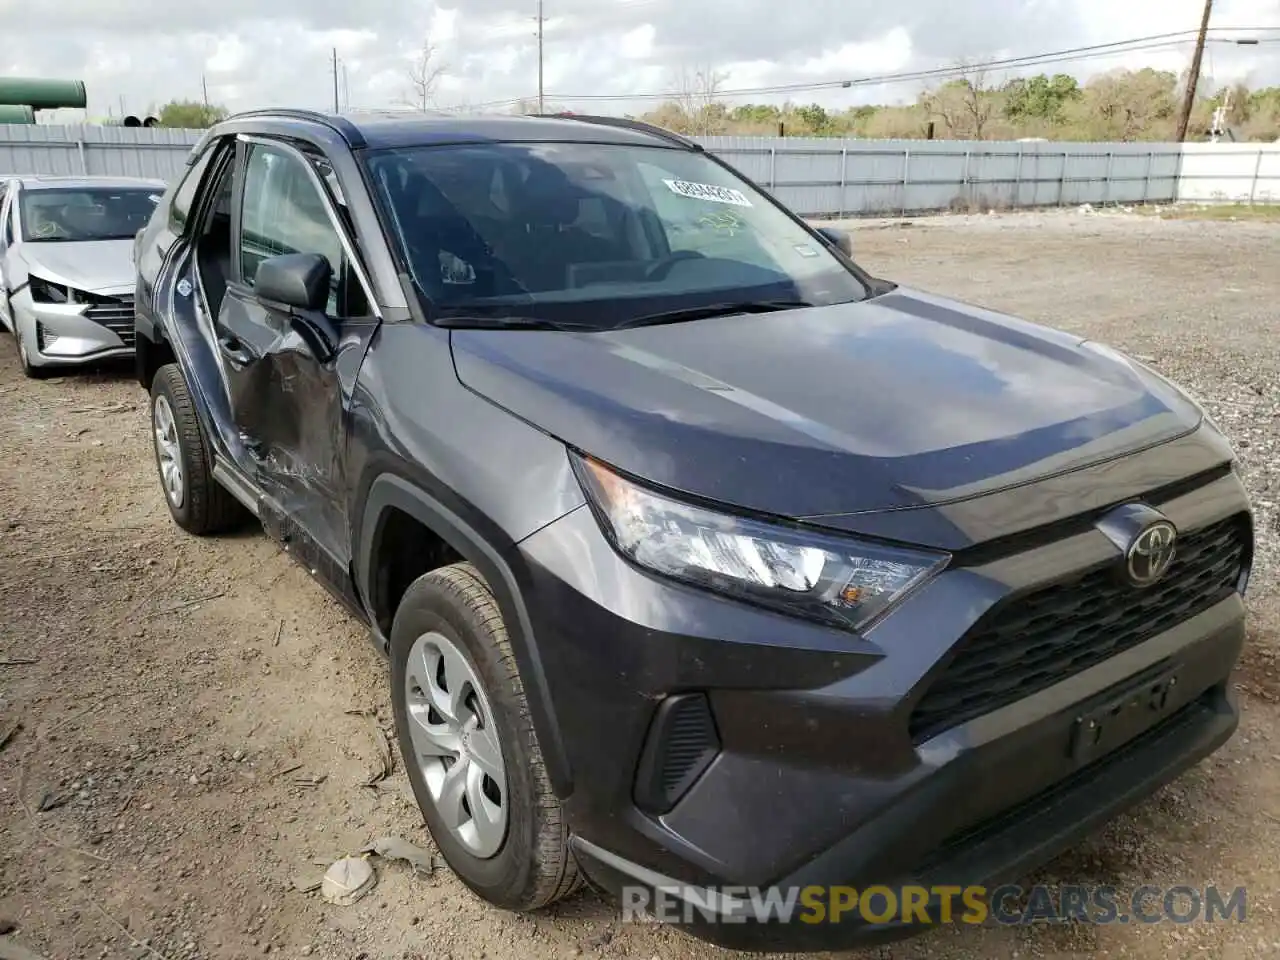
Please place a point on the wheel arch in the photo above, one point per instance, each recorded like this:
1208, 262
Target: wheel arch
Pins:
151, 351
390, 493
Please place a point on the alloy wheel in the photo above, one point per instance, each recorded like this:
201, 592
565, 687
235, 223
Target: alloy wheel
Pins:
456, 744
168, 453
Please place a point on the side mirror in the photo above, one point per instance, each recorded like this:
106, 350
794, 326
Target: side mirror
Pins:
838, 239
298, 280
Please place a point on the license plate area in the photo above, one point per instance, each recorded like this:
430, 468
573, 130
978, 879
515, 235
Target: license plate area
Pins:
1122, 716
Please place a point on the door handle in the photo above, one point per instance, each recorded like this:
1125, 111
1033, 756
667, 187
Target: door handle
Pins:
234, 350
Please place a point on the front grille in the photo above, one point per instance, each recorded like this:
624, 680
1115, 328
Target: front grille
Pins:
114, 313
1033, 641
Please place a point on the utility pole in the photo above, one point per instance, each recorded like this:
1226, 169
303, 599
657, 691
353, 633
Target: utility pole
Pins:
540, 104
336, 107
204, 88
1193, 78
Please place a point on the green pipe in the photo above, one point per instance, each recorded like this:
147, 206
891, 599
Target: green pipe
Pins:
12, 113
41, 94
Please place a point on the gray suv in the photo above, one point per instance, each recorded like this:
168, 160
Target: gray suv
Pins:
702, 557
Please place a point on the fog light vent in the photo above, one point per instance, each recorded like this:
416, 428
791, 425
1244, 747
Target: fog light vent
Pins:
44, 338
681, 745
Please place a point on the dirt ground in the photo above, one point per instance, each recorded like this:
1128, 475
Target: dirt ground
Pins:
201, 719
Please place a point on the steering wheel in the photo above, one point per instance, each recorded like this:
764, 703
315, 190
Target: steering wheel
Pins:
660, 268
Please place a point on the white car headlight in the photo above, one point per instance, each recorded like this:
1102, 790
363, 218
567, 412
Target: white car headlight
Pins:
845, 582
46, 291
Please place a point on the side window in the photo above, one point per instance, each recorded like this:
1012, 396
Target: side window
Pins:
285, 213
184, 196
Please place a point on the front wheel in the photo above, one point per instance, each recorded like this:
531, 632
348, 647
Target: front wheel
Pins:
196, 501
469, 746
6, 320
24, 360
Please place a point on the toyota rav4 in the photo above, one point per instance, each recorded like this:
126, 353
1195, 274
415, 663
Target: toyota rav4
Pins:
702, 558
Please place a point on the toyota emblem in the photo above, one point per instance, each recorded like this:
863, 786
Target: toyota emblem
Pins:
1151, 552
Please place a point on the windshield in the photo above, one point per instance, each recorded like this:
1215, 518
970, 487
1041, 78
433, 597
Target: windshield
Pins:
88, 213
594, 234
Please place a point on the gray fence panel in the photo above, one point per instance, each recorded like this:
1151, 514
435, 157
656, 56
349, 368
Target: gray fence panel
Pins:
814, 176
1230, 172
818, 177
1266, 186
49, 150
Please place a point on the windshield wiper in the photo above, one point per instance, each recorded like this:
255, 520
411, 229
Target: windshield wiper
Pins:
509, 323
711, 310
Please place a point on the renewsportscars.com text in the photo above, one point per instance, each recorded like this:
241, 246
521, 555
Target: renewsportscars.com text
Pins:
921, 905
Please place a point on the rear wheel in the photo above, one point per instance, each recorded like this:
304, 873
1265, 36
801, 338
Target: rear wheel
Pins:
469, 746
196, 501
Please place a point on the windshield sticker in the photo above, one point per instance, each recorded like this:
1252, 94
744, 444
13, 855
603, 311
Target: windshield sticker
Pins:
154, 197
805, 250
726, 222
707, 191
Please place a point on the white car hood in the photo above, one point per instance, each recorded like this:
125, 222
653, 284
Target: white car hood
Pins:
95, 265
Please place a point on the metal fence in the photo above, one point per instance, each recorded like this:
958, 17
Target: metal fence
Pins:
1230, 172
890, 177
815, 177
98, 151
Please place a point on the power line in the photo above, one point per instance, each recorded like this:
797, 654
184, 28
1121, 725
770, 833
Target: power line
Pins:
861, 81
1156, 41
1073, 54
934, 73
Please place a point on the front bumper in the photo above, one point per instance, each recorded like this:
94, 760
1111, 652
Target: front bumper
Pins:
906, 845
63, 334
813, 777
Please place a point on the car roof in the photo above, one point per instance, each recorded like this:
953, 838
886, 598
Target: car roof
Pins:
377, 129
73, 183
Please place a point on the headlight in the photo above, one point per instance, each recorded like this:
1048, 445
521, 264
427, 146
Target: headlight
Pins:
42, 291
845, 582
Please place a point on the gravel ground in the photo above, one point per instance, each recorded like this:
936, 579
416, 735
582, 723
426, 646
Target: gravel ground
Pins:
199, 718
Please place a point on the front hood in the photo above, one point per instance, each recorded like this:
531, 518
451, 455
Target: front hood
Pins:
94, 265
901, 401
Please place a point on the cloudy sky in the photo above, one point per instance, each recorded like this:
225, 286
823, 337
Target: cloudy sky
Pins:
276, 52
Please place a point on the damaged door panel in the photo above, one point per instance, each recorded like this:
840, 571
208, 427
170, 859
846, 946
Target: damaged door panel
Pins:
281, 359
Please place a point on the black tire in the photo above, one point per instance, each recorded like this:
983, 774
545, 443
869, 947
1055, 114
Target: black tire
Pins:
534, 867
207, 506
28, 370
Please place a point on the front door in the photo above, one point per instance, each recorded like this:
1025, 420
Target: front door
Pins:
288, 392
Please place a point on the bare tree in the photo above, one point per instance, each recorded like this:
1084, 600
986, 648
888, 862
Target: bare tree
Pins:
1131, 105
697, 92
965, 104
424, 74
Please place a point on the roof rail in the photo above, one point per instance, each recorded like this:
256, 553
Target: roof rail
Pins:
339, 125
627, 124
